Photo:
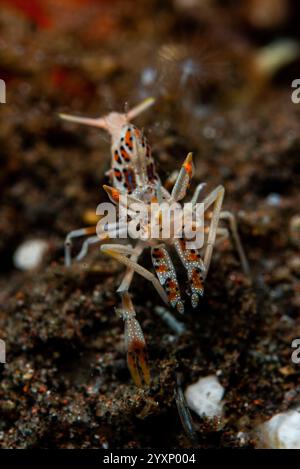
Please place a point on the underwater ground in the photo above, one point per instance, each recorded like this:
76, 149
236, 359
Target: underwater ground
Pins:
221, 73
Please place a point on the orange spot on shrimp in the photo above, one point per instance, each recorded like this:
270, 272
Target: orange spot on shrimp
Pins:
172, 295
161, 268
188, 164
158, 254
192, 257
188, 168
117, 157
172, 285
112, 192
124, 154
137, 363
90, 230
137, 133
118, 174
128, 139
196, 279
182, 244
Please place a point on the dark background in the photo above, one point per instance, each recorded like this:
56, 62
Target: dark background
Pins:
221, 73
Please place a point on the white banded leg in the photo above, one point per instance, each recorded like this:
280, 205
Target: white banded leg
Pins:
119, 252
215, 198
134, 337
75, 234
197, 192
226, 215
85, 246
127, 279
183, 179
113, 230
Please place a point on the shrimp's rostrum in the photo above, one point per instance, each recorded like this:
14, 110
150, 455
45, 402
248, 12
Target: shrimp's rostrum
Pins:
133, 174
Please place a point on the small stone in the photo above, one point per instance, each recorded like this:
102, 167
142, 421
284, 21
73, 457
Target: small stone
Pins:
274, 199
29, 254
148, 76
205, 397
243, 437
209, 132
282, 431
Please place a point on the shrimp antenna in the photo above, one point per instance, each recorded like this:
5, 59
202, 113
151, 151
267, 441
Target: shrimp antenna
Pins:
101, 122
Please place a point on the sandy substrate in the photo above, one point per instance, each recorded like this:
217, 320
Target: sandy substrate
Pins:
66, 383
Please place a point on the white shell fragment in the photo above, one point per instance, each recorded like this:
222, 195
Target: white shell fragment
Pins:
205, 397
29, 254
282, 431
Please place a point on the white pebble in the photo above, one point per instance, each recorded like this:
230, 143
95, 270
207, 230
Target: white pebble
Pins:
205, 397
148, 76
282, 431
29, 254
274, 199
